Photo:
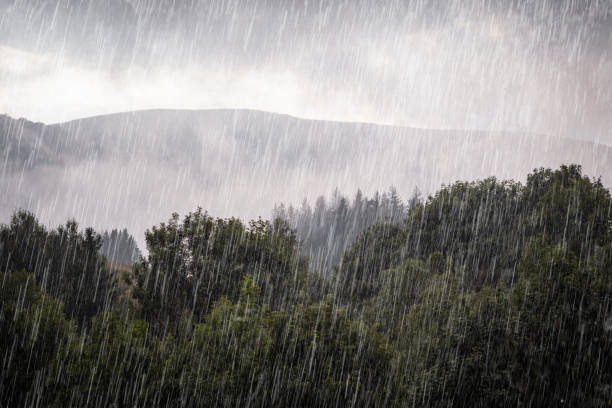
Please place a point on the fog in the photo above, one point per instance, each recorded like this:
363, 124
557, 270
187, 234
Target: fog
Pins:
135, 169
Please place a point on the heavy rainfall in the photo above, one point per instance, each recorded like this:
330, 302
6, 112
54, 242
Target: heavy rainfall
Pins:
305, 203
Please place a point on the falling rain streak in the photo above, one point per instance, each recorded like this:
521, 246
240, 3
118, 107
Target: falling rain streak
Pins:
305, 203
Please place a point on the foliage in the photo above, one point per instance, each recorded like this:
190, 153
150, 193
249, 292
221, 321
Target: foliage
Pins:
419, 314
34, 331
64, 261
484, 226
193, 263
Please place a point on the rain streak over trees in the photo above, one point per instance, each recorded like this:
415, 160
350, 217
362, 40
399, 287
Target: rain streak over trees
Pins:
486, 293
305, 203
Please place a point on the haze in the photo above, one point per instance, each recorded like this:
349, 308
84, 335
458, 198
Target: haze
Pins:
527, 66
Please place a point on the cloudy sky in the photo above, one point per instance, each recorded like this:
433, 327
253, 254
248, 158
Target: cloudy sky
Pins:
537, 66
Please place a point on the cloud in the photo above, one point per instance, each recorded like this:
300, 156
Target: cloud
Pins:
44, 88
488, 64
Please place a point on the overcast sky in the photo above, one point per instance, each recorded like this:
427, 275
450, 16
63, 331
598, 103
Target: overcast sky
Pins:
538, 66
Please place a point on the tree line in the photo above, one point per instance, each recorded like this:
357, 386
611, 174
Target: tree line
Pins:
120, 246
487, 293
326, 229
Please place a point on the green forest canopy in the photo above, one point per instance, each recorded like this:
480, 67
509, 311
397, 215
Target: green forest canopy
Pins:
489, 293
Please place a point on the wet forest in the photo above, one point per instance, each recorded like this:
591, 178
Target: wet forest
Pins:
487, 293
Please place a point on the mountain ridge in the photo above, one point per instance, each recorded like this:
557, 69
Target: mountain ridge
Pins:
280, 114
300, 118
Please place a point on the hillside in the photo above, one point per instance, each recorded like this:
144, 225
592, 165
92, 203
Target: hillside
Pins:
112, 171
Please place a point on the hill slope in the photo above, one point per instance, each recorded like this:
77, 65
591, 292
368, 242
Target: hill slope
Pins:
128, 169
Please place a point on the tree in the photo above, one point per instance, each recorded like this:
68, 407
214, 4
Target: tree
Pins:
64, 261
35, 332
375, 250
563, 302
120, 246
415, 199
193, 263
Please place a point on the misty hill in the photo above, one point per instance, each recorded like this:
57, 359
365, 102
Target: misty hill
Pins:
129, 169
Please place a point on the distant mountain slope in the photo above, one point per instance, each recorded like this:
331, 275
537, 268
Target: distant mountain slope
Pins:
134, 169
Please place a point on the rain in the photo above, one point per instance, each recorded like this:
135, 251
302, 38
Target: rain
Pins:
305, 203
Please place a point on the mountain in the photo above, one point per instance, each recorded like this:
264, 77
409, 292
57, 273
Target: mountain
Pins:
134, 169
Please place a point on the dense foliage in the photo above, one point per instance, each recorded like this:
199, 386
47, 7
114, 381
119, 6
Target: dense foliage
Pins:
193, 263
488, 294
65, 262
484, 227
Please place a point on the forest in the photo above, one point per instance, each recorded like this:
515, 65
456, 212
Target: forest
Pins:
487, 293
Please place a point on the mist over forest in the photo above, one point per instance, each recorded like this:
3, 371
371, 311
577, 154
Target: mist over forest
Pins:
305, 203
125, 170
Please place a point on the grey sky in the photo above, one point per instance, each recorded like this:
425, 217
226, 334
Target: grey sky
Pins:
536, 66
